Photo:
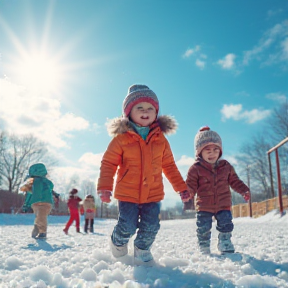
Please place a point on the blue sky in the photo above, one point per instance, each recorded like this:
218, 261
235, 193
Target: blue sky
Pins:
65, 67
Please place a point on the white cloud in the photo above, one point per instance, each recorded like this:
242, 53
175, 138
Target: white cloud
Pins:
236, 112
86, 168
284, 45
279, 97
91, 159
227, 62
185, 161
190, 51
23, 112
270, 40
231, 159
272, 13
199, 63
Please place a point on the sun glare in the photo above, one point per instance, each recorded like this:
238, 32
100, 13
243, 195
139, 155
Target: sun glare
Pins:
32, 64
39, 72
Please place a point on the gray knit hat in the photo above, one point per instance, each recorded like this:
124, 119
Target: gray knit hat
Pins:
138, 93
206, 137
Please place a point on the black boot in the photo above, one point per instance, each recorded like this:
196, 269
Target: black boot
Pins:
35, 232
41, 236
91, 226
86, 226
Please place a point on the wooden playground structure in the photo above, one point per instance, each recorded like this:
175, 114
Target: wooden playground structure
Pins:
280, 202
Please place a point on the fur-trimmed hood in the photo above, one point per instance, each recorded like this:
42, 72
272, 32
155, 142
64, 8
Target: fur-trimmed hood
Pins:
168, 125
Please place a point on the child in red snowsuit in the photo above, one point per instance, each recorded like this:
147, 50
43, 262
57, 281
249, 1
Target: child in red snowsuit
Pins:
73, 205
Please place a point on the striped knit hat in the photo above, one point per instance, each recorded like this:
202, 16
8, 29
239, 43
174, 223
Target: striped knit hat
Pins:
138, 93
206, 137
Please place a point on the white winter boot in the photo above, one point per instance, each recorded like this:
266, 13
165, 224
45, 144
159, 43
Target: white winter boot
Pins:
143, 257
224, 243
118, 251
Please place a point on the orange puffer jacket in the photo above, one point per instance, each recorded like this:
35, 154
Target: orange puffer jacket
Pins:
212, 186
140, 163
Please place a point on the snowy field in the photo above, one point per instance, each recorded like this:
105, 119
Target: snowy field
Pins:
78, 260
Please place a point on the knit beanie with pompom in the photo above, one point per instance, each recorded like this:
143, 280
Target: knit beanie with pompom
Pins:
206, 137
138, 93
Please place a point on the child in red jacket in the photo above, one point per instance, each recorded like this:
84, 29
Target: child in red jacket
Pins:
73, 205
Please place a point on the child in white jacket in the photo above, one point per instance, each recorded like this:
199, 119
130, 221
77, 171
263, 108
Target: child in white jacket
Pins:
89, 210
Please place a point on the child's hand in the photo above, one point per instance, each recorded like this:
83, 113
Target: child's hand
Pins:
247, 196
189, 205
105, 196
185, 196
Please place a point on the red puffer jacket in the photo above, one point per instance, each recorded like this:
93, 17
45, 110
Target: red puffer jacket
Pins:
212, 186
73, 202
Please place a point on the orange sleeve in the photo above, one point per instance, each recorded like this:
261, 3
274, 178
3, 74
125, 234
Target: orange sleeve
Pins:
109, 164
171, 171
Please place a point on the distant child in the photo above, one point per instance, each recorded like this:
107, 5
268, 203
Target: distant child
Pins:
210, 178
73, 206
139, 152
40, 198
89, 210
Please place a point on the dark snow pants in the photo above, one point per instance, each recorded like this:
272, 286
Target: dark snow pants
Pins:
204, 223
144, 217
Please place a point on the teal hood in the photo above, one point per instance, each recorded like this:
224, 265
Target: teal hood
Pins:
38, 169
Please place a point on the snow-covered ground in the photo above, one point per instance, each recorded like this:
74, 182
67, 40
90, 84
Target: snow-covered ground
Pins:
79, 260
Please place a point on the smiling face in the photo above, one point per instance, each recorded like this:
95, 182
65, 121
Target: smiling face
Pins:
211, 153
143, 114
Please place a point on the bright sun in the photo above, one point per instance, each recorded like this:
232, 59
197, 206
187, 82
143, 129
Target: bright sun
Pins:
39, 72
33, 65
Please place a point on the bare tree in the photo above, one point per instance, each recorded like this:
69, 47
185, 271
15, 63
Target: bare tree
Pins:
88, 187
16, 155
254, 159
255, 162
74, 182
278, 123
1, 149
278, 131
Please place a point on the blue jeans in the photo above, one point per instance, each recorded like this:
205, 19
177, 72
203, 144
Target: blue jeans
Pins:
204, 223
144, 217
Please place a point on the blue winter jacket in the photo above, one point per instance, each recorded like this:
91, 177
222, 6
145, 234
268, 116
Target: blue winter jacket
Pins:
42, 187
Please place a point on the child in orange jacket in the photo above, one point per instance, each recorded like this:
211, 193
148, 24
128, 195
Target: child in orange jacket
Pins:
139, 152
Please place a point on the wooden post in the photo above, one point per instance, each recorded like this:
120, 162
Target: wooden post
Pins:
250, 200
275, 148
279, 182
271, 176
101, 209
